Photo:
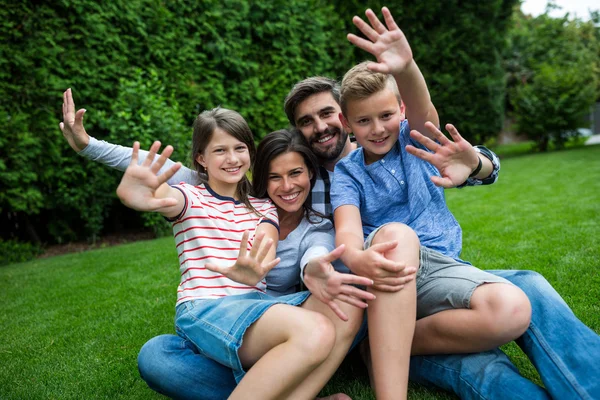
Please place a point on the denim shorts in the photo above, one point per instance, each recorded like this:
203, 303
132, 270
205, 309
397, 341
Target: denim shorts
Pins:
217, 326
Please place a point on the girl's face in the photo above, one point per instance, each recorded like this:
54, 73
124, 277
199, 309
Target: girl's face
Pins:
289, 181
226, 161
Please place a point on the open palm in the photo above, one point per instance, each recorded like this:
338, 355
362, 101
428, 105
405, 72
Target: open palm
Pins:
250, 267
387, 43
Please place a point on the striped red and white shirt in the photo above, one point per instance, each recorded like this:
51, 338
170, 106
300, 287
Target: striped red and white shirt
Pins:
209, 230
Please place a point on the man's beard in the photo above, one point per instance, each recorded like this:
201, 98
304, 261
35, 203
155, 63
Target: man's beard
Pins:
331, 153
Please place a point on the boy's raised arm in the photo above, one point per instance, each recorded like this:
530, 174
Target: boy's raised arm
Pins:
394, 56
109, 154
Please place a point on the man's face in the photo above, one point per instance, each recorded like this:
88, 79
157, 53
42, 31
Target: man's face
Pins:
317, 117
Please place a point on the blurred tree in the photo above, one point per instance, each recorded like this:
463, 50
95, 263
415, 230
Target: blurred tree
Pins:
553, 70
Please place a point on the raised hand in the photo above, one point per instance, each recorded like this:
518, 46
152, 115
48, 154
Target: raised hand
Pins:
386, 42
328, 285
249, 268
454, 159
387, 275
140, 183
72, 125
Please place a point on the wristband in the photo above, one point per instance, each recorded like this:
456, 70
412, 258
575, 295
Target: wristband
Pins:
476, 170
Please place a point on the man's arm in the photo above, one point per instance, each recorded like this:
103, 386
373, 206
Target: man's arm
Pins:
394, 56
109, 154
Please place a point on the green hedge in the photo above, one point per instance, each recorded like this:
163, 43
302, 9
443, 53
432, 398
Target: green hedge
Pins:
143, 69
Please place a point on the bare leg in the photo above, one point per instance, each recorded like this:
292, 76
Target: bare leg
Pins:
345, 331
499, 313
283, 347
392, 319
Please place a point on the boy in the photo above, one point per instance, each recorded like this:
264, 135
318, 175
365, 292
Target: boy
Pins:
379, 219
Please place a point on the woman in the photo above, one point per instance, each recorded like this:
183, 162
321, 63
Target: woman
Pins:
284, 170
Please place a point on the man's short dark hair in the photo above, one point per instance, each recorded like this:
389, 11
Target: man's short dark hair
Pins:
306, 88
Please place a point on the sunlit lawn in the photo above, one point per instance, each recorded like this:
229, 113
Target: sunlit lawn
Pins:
72, 325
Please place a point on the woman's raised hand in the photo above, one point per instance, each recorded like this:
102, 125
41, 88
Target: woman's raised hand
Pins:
250, 267
328, 285
140, 183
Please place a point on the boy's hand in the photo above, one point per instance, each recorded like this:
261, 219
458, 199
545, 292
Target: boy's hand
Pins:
72, 125
454, 159
388, 276
140, 183
388, 45
249, 268
328, 285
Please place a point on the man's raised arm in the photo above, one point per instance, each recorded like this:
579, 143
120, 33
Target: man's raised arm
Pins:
111, 155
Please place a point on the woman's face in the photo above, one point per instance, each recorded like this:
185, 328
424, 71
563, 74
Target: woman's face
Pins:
289, 181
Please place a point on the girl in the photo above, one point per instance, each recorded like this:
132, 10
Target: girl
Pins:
285, 345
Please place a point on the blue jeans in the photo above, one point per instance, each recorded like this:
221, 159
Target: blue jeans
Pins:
565, 352
562, 348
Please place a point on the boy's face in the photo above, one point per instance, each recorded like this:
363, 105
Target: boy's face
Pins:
375, 122
318, 119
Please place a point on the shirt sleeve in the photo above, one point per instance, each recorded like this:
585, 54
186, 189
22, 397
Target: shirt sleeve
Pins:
269, 212
318, 242
493, 177
119, 157
344, 188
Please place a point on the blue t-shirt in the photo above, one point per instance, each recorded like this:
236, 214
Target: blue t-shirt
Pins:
398, 188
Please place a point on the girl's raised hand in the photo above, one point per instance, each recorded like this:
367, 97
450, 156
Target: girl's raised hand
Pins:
328, 285
249, 268
140, 183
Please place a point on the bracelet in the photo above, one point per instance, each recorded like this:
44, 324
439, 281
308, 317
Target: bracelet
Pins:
476, 170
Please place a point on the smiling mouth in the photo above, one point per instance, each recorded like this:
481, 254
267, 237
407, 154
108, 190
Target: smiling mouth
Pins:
290, 197
325, 138
236, 169
378, 141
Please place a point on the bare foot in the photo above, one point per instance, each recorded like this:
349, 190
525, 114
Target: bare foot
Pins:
337, 396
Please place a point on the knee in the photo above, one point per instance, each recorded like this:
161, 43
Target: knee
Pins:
399, 232
151, 359
507, 311
316, 338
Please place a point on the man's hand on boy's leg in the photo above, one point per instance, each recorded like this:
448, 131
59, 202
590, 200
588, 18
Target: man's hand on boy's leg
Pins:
387, 44
455, 160
72, 125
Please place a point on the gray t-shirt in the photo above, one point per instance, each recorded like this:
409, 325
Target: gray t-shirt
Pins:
308, 241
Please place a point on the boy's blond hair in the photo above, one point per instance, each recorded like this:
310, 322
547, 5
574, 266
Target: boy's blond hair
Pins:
360, 83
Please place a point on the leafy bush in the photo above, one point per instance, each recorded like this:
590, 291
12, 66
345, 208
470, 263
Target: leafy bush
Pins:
13, 251
143, 69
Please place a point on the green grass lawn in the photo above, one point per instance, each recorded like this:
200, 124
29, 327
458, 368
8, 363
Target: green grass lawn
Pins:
72, 325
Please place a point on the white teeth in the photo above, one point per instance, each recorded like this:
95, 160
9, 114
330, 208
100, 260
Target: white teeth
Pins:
378, 141
291, 196
324, 139
232, 169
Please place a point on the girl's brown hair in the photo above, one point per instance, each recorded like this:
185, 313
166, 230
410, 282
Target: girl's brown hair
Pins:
235, 125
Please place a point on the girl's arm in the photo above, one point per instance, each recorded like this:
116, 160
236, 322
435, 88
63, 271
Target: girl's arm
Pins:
143, 189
